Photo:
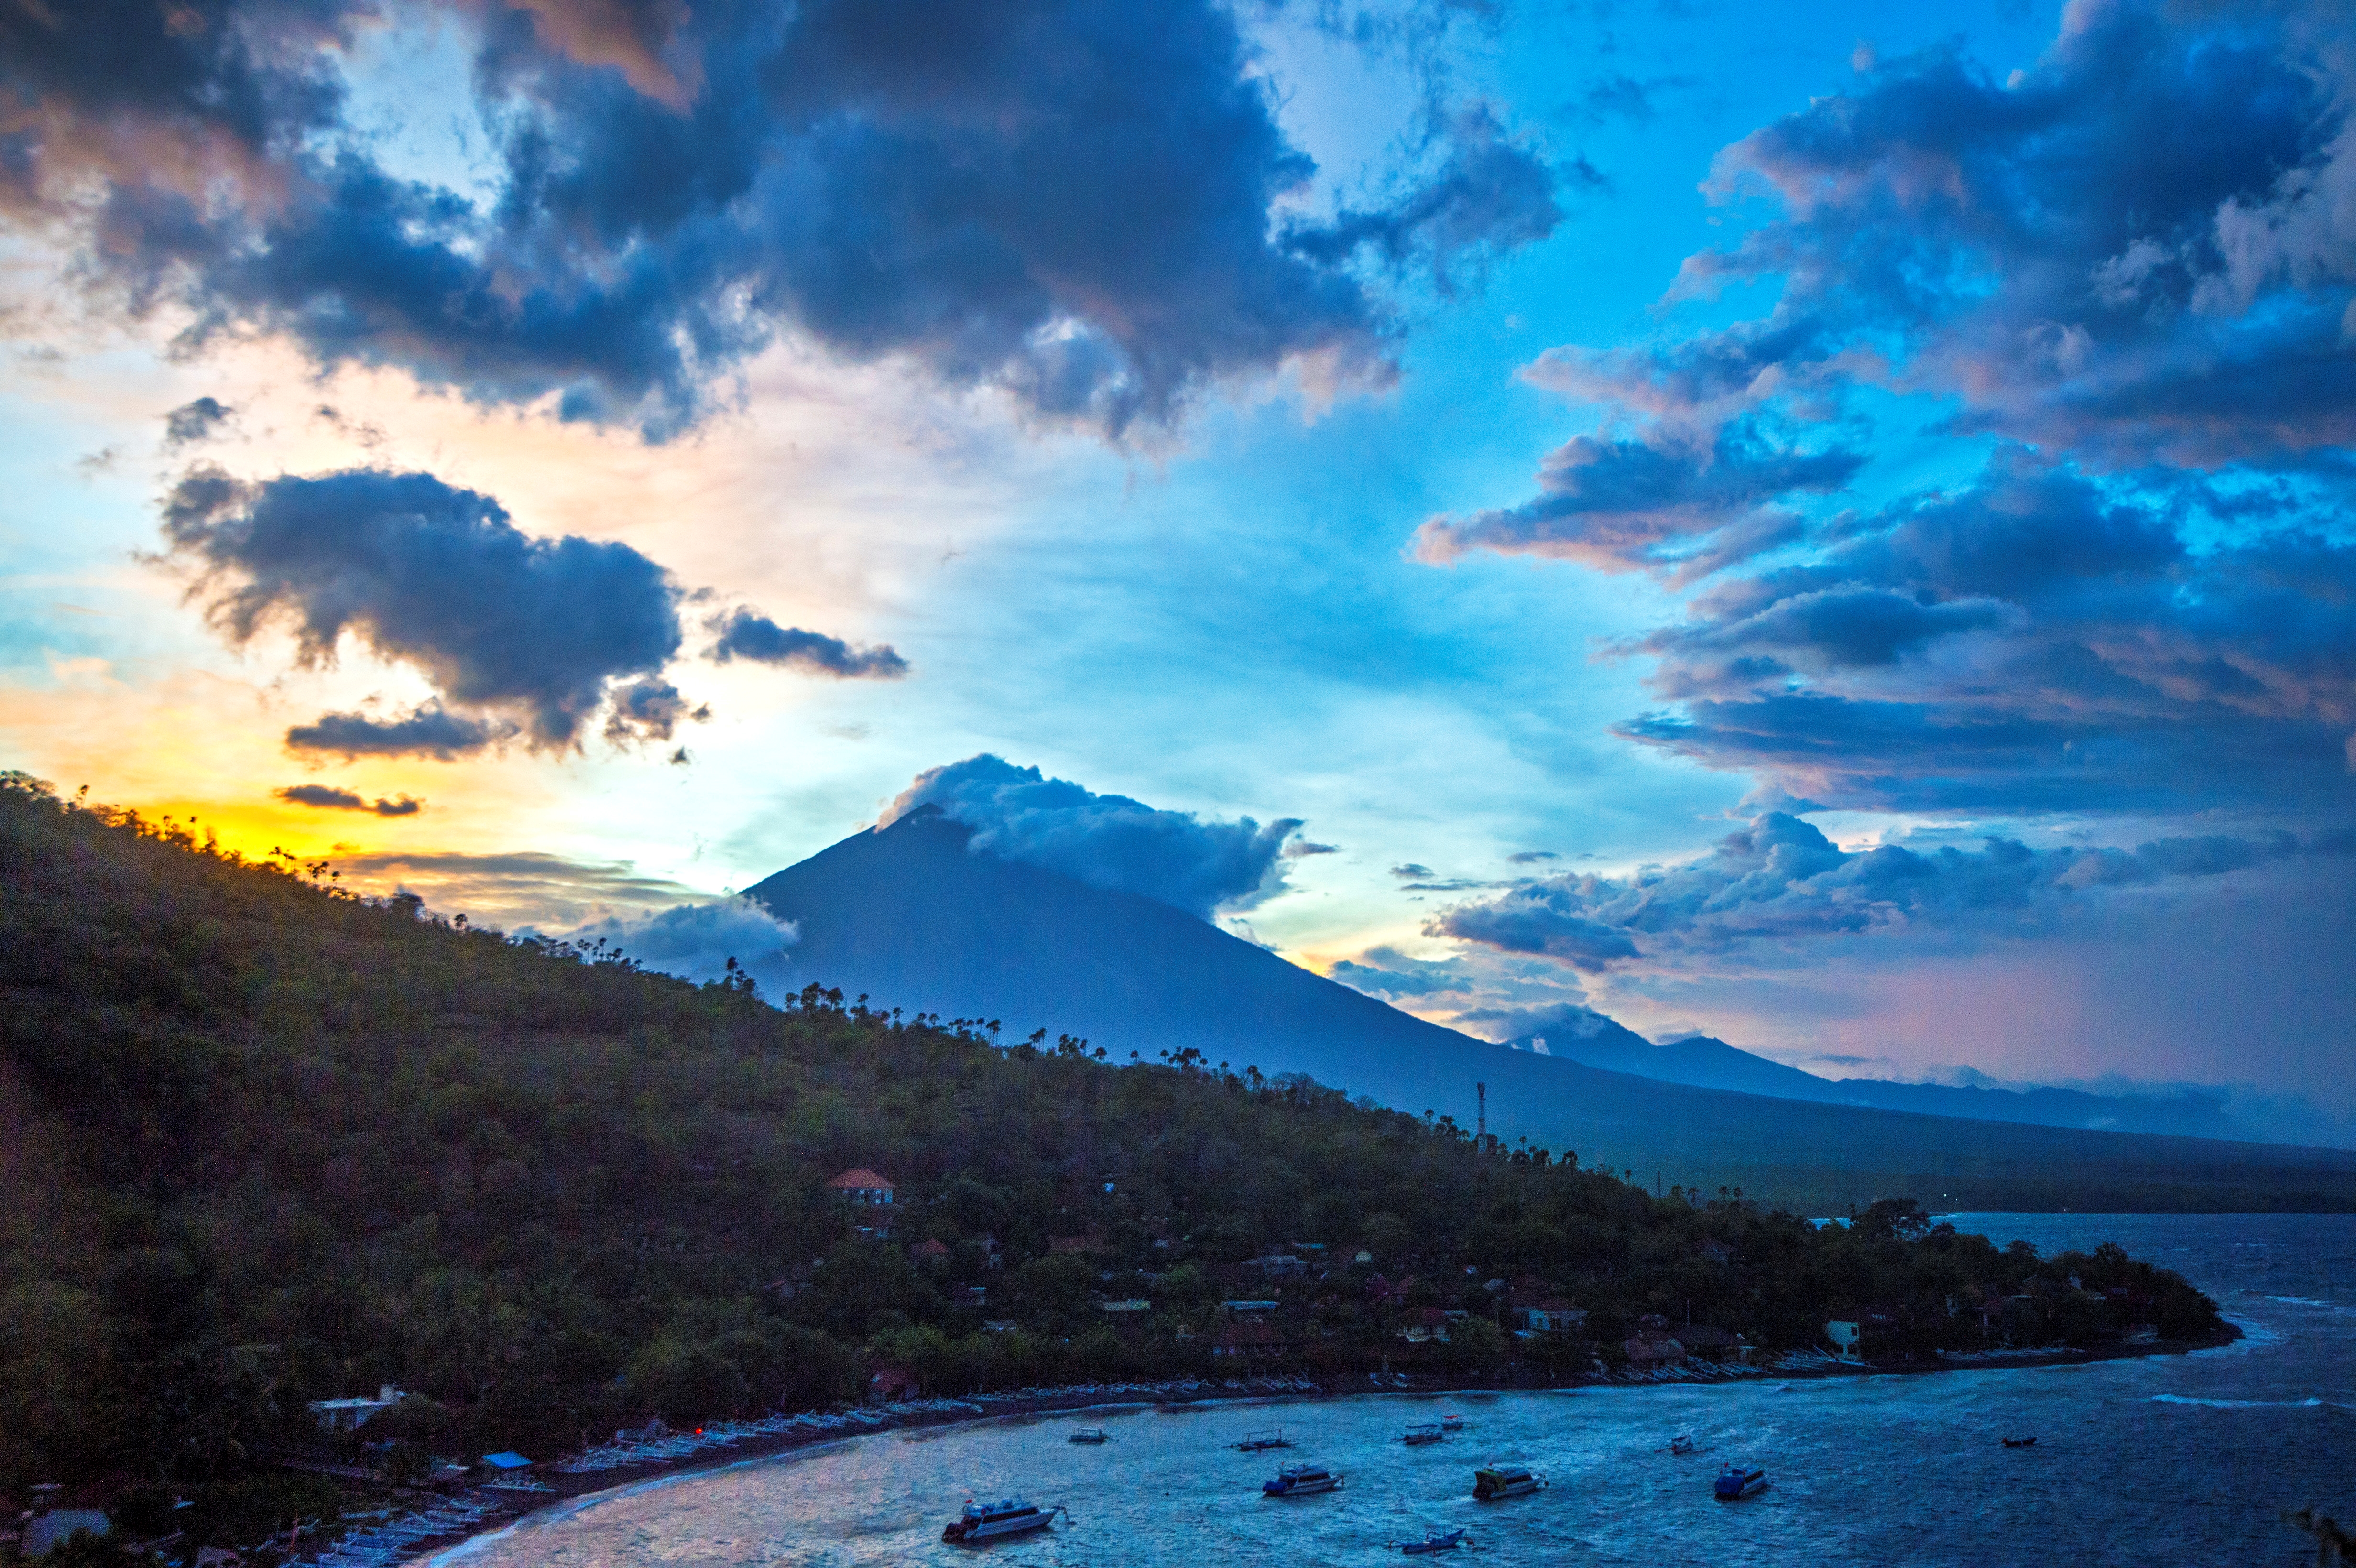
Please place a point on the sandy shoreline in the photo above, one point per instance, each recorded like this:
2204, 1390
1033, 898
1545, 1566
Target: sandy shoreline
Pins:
569, 1492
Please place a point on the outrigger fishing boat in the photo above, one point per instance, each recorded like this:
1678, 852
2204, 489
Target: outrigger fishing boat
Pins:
1089, 1435
1451, 1422
1423, 1432
1435, 1542
1261, 1442
1681, 1443
2020, 1442
1737, 1481
996, 1522
1504, 1481
1301, 1481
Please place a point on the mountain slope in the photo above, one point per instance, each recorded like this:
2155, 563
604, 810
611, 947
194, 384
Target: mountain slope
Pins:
1705, 1062
908, 916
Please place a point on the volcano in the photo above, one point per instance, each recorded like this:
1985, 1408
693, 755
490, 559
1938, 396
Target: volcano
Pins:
910, 917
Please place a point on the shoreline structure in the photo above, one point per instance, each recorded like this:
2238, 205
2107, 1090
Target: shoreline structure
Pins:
570, 1490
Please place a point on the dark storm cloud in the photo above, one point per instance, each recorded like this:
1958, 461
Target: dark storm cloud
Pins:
195, 422
507, 626
649, 708
1107, 840
166, 97
2029, 640
2142, 245
746, 634
1070, 200
1780, 880
328, 797
2135, 261
430, 731
1623, 503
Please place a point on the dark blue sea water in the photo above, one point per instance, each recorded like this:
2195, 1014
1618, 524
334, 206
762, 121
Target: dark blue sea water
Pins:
2175, 1459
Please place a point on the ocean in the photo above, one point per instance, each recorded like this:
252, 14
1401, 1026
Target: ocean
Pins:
2168, 1460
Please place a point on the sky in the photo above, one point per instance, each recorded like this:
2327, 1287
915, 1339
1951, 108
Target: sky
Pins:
1823, 525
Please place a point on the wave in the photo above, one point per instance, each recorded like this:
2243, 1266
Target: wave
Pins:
2310, 1403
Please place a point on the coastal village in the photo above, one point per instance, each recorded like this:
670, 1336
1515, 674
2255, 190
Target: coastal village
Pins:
1265, 1329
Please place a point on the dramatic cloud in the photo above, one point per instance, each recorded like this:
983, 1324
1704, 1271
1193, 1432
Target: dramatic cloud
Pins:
516, 630
1071, 200
1387, 972
2034, 640
1782, 880
649, 708
2143, 245
329, 798
1622, 504
1490, 194
195, 422
521, 889
696, 941
746, 634
1107, 840
431, 730
2126, 274
1480, 990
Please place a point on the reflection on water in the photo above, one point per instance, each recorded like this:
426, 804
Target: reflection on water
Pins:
2175, 1458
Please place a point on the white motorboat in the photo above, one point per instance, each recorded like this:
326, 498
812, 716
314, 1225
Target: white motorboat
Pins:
995, 1522
1301, 1481
1504, 1481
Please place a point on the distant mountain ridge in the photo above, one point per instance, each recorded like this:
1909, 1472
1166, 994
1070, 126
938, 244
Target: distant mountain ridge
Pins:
908, 916
1703, 1061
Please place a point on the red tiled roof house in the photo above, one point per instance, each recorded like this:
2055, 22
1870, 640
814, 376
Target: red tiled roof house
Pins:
860, 1185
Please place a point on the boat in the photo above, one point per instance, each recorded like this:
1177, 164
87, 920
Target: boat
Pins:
1449, 1542
1681, 1443
1451, 1422
1504, 1481
1301, 1481
996, 1522
1737, 1481
1089, 1435
2020, 1442
1421, 1433
1261, 1442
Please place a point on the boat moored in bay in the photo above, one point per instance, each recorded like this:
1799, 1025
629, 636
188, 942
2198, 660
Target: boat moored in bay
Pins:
995, 1522
1301, 1481
1504, 1481
1435, 1542
1261, 1442
1423, 1432
1089, 1435
1737, 1481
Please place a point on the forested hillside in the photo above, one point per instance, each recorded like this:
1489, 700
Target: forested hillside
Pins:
266, 1143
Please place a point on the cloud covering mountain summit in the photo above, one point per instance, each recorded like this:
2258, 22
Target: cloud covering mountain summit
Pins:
1106, 841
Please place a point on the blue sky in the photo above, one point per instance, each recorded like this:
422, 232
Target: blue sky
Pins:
1850, 498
